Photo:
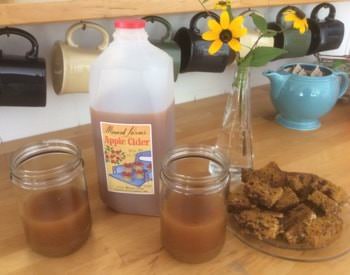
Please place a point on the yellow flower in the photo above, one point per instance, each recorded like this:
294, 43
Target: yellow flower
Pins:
298, 19
222, 4
227, 32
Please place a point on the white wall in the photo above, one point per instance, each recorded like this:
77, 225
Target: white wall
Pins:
72, 110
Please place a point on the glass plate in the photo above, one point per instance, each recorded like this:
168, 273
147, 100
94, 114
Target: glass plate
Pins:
281, 249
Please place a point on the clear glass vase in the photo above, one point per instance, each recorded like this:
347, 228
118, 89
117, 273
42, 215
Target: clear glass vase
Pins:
235, 136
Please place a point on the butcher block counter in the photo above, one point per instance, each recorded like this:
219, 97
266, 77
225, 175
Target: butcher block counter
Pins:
126, 244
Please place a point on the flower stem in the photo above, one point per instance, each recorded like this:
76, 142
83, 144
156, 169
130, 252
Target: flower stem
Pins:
204, 7
239, 83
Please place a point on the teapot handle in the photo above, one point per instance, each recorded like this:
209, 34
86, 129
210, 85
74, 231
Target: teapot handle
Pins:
344, 82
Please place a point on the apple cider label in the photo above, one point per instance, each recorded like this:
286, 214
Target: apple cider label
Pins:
128, 157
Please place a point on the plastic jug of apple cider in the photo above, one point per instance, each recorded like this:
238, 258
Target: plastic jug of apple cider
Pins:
132, 114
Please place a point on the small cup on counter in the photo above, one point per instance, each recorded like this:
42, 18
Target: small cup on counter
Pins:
194, 185
52, 196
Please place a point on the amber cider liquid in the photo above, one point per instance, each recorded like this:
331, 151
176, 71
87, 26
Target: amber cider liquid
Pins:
57, 222
193, 227
163, 138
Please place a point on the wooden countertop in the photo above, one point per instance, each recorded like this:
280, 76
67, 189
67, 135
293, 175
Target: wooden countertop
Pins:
124, 244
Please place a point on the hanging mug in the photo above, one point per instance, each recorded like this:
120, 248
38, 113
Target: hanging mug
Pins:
166, 44
194, 50
247, 41
71, 63
295, 43
327, 34
22, 78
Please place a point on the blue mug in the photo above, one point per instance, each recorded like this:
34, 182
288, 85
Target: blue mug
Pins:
301, 100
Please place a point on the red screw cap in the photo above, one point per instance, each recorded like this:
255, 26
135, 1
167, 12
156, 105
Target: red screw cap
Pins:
129, 23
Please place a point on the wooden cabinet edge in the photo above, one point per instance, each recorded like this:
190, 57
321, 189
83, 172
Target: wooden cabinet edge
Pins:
72, 10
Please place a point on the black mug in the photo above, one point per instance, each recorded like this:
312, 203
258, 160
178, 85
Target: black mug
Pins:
22, 78
327, 34
194, 50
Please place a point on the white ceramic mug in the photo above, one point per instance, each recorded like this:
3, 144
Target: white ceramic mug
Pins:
248, 40
70, 66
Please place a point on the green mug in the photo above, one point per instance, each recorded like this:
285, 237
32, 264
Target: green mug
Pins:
166, 43
295, 43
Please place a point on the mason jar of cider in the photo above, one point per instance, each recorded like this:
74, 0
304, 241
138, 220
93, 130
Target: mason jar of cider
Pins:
53, 202
194, 185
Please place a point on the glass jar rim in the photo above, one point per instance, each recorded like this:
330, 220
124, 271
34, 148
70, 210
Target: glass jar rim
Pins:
44, 178
186, 182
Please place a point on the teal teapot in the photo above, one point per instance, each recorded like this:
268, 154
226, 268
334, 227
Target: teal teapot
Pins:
301, 100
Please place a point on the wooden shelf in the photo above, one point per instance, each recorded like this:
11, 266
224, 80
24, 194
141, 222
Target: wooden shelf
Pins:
17, 12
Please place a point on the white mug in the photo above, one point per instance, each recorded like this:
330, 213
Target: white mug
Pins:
249, 40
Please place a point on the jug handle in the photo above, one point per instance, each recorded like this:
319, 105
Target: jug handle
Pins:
83, 25
345, 82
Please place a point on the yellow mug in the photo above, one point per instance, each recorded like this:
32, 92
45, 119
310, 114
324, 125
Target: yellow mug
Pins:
70, 66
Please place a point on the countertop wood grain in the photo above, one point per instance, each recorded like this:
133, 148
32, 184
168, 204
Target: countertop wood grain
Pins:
125, 244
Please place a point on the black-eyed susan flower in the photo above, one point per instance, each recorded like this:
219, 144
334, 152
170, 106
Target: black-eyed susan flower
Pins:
222, 4
298, 19
226, 31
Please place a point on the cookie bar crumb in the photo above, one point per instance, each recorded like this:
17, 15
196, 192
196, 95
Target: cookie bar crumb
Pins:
261, 193
323, 231
323, 203
265, 225
288, 200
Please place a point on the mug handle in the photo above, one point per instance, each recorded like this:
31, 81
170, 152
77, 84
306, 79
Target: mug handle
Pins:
330, 16
250, 12
34, 51
203, 14
279, 17
345, 82
164, 22
83, 25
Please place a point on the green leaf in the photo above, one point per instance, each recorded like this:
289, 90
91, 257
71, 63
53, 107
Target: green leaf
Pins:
262, 55
338, 63
245, 62
259, 22
269, 33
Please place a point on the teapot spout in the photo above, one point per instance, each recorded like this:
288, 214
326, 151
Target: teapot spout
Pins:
277, 79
